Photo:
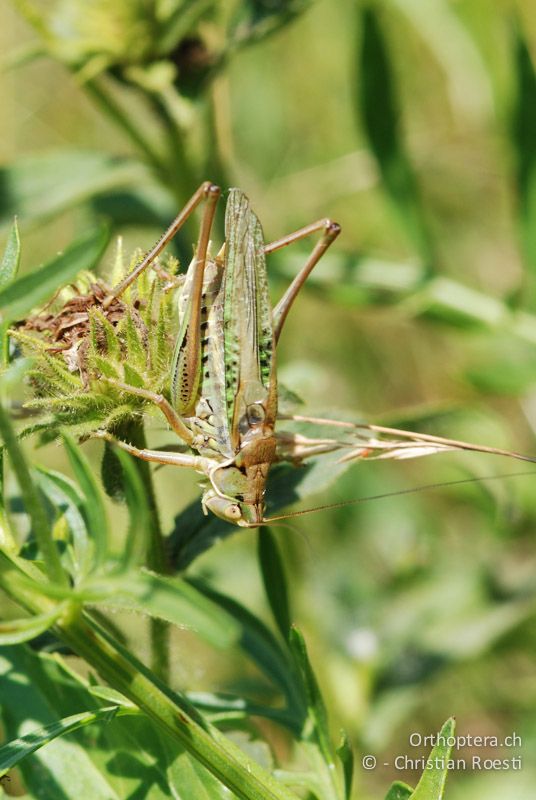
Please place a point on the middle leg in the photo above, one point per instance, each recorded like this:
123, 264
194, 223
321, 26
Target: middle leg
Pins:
175, 421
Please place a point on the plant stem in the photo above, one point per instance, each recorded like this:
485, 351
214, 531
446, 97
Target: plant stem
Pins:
113, 110
173, 712
179, 176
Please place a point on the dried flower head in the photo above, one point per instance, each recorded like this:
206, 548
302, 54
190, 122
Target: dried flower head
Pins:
82, 346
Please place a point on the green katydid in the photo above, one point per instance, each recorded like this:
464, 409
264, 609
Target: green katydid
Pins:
223, 376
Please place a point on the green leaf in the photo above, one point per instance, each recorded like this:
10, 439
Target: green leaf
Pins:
17, 631
111, 473
4, 522
111, 696
15, 751
172, 599
36, 690
9, 265
275, 584
255, 19
346, 757
189, 779
524, 141
503, 370
104, 366
138, 536
30, 290
399, 791
262, 647
113, 346
315, 702
93, 508
380, 114
178, 23
40, 186
8, 270
432, 783
33, 502
133, 377
105, 761
147, 204
66, 498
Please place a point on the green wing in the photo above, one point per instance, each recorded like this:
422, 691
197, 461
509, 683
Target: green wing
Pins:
250, 391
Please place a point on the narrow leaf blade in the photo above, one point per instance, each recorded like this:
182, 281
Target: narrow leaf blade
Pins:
15, 751
379, 111
274, 579
261, 646
171, 599
9, 265
23, 630
19, 297
432, 783
42, 185
399, 791
315, 701
138, 511
346, 757
93, 508
524, 141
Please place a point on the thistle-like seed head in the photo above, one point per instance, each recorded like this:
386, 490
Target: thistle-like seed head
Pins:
83, 346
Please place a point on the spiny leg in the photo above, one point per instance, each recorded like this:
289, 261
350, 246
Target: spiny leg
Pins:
157, 456
175, 421
411, 439
207, 191
330, 232
186, 366
295, 448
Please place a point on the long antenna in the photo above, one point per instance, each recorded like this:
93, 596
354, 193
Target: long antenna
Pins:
400, 492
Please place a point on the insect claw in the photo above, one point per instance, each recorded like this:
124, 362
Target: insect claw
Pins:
211, 189
332, 230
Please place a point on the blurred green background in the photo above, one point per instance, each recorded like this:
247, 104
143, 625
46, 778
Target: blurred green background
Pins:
413, 124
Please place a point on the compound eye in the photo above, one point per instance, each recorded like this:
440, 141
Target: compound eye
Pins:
233, 512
